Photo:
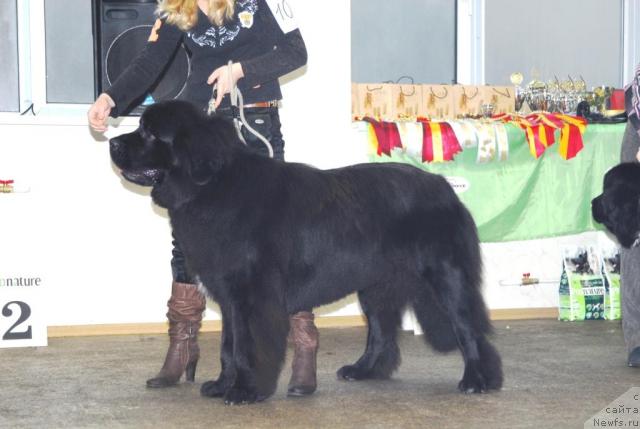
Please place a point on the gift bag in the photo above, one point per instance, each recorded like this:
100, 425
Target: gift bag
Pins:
406, 101
467, 101
355, 108
374, 100
501, 99
437, 102
582, 285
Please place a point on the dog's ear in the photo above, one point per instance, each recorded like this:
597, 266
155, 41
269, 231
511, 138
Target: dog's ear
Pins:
194, 156
201, 172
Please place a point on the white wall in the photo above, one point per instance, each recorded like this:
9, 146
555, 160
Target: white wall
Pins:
101, 248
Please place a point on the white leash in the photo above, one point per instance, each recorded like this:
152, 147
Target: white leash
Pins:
237, 102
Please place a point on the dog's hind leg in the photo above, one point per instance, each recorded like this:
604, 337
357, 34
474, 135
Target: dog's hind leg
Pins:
462, 304
381, 356
434, 320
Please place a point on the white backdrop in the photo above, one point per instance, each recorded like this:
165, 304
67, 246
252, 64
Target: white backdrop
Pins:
102, 249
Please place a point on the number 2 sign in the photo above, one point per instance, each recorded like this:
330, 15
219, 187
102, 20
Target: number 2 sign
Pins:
20, 323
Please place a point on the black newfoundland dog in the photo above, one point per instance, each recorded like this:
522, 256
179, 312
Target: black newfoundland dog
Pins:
618, 207
268, 238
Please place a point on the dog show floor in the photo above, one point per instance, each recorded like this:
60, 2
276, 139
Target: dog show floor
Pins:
557, 375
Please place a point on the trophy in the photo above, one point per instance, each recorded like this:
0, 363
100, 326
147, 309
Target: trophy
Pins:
537, 95
521, 95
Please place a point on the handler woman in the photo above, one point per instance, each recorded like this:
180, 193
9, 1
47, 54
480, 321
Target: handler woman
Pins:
262, 47
630, 258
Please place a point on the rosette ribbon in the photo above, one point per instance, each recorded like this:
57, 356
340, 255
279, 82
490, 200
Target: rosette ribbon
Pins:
571, 136
439, 142
6, 186
383, 136
540, 130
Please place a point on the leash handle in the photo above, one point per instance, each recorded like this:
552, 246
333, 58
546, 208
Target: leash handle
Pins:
237, 105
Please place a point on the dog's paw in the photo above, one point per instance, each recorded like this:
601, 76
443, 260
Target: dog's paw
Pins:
352, 373
473, 382
236, 396
213, 388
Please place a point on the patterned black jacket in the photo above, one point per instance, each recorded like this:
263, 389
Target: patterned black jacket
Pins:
253, 38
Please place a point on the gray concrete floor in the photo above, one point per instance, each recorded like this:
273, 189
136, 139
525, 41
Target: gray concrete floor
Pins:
557, 375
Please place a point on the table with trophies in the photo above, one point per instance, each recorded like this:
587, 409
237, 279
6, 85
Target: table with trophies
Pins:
526, 160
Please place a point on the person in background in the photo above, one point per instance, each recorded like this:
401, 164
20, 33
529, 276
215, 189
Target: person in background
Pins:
262, 44
630, 258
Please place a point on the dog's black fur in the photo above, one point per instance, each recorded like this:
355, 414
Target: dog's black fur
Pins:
268, 238
618, 207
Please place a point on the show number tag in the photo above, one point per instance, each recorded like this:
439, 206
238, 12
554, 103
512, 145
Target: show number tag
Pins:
20, 322
282, 11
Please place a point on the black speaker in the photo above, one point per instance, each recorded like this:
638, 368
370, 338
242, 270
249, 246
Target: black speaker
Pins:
121, 30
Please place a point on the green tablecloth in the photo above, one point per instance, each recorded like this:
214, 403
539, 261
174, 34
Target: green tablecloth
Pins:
525, 198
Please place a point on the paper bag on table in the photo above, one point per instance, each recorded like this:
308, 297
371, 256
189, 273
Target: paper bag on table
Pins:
406, 101
501, 98
467, 101
375, 100
437, 101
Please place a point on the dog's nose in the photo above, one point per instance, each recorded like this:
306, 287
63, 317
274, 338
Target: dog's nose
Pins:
596, 209
117, 150
115, 143
116, 146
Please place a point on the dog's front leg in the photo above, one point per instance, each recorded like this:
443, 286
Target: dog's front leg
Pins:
243, 390
254, 343
217, 388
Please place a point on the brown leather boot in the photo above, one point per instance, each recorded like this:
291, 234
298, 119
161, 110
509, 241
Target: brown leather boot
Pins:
304, 336
185, 316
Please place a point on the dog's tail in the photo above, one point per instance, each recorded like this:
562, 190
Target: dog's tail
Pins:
454, 278
268, 326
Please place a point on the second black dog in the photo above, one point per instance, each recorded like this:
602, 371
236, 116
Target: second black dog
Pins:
618, 207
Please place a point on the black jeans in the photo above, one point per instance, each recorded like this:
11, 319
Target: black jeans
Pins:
264, 120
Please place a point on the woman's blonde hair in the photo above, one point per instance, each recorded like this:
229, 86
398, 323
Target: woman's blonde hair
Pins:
184, 13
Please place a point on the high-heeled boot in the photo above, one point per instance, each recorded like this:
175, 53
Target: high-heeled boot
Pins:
186, 306
304, 336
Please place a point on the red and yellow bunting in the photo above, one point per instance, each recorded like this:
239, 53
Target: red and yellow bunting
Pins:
571, 136
540, 130
439, 142
383, 136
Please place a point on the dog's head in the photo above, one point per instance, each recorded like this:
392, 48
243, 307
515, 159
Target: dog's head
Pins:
618, 207
175, 149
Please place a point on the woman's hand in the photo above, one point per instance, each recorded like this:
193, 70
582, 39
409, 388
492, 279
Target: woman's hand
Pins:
99, 112
220, 76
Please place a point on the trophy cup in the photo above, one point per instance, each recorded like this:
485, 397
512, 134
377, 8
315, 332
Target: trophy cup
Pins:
520, 94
